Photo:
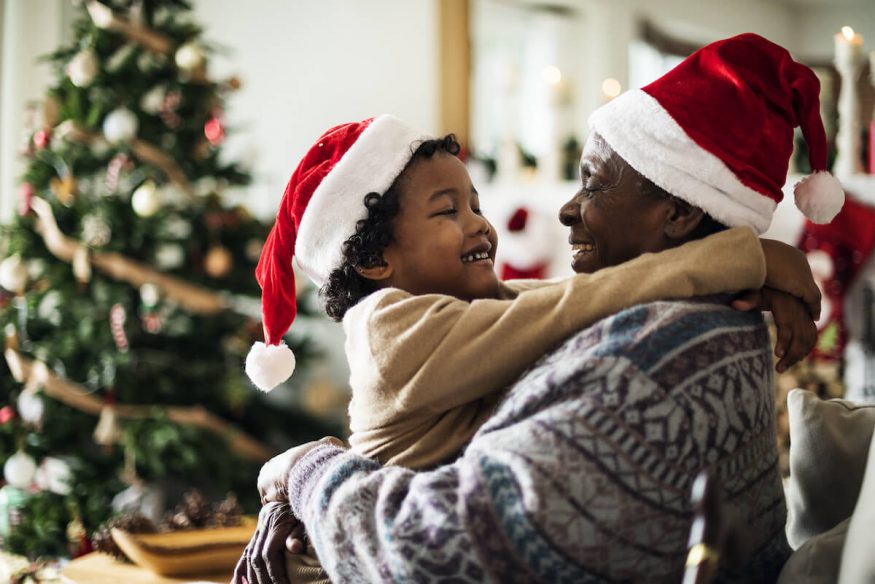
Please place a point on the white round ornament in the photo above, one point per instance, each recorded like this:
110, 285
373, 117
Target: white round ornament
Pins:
169, 256
152, 101
82, 68
48, 308
189, 56
13, 274
19, 470
120, 125
31, 407
54, 475
150, 294
147, 199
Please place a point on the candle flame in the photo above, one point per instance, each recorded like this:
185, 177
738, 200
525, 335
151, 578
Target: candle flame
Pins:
848, 32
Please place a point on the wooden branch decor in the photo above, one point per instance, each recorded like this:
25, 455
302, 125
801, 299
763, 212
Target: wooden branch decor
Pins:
116, 266
80, 398
103, 17
145, 151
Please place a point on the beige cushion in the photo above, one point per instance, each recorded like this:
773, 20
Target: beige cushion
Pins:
858, 561
818, 560
829, 445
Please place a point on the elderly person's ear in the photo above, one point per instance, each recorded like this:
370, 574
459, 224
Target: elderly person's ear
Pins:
681, 220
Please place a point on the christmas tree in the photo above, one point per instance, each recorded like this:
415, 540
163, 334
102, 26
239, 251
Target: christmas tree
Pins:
128, 298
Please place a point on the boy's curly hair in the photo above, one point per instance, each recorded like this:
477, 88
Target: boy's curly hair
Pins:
364, 249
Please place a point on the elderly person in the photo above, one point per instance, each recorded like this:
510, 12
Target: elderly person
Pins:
583, 473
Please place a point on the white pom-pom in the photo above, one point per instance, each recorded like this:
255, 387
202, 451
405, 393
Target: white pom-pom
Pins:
269, 365
819, 196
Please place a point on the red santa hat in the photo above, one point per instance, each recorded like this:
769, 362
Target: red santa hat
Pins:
319, 210
717, 132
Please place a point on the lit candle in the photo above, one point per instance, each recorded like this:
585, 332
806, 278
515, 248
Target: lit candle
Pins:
849, 45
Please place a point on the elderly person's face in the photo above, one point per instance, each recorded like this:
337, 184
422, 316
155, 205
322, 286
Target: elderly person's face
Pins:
614, 217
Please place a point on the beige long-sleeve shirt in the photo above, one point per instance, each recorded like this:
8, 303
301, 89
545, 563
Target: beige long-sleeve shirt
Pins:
426, 370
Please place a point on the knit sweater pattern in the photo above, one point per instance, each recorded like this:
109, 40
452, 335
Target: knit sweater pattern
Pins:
583, 473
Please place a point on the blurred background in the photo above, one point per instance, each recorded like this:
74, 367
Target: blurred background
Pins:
233, 94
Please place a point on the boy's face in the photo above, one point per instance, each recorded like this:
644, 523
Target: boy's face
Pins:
441, 243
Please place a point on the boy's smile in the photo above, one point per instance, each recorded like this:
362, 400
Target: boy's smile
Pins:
441, 243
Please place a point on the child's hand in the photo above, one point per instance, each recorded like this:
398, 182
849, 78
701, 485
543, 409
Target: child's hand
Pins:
787, 270
296, 542
797, 333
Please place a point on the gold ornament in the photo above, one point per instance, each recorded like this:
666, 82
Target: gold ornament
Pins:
218, 262
64, 189
13, 274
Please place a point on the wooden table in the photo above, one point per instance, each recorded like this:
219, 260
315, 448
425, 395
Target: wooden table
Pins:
98, 568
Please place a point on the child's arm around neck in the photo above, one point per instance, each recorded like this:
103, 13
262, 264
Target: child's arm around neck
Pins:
425, 355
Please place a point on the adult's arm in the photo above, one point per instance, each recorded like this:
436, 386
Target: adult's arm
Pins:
443, 352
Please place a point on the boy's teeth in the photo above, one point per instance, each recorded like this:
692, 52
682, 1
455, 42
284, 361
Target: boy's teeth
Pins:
471, 257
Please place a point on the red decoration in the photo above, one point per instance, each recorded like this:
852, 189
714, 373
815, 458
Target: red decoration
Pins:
214, 131
7, 414
508, 272
848, 240
117, 317
85, 547
172, 101
25, 199
41, 139
518, 220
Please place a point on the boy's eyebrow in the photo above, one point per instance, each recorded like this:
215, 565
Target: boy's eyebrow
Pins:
440, 193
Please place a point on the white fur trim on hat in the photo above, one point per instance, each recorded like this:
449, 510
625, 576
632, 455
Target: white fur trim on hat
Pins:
819, 196
370, 165
639, 129
269, 365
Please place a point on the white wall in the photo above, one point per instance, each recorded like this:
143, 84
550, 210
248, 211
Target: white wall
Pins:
612, 27
28, 29
307, 65
813, 40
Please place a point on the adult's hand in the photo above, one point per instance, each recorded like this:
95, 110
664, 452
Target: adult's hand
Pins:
796, 331
787, 269
273, 477
262, 561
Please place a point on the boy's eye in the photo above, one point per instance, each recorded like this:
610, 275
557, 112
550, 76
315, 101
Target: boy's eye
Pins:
477, 210
450, 211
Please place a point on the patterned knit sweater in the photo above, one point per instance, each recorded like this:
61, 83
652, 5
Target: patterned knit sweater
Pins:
584, 472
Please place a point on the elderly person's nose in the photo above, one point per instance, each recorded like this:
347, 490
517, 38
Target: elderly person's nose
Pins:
569, 213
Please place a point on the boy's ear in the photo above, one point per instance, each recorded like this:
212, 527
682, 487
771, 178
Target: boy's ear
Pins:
681, 219
376, 272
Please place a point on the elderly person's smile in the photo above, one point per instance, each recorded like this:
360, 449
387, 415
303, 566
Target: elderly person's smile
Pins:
617, 214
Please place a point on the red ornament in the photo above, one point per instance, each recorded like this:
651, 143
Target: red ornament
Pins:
7, 414
518, 220
41, 139
214, 131
538, 272
25, 199
85, 547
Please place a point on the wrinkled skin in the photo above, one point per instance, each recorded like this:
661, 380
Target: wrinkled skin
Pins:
278, 530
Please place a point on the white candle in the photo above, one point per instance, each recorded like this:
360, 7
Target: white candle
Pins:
848, 45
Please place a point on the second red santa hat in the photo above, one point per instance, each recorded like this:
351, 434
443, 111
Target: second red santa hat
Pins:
717, 132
